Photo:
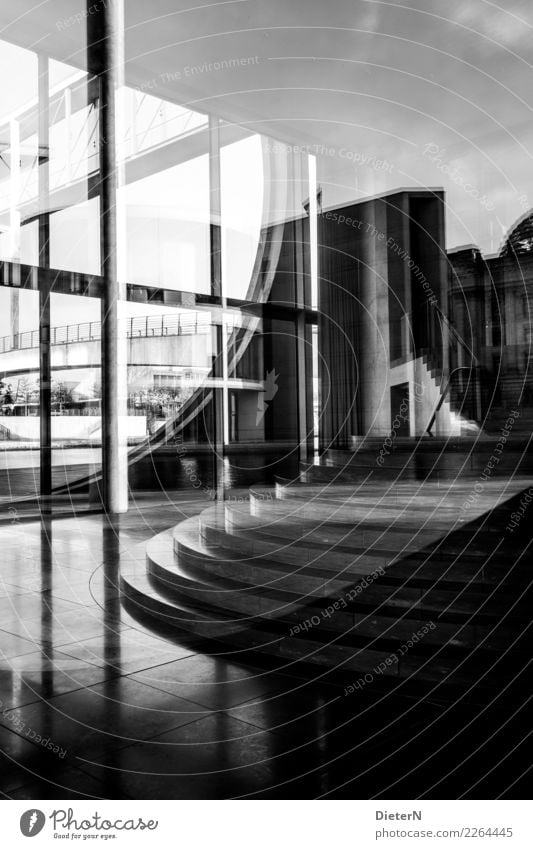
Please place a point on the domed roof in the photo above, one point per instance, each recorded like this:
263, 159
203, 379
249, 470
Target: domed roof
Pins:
519, 240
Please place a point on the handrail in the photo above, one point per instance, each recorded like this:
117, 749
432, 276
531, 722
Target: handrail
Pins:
167, 324
443, 395
456, 333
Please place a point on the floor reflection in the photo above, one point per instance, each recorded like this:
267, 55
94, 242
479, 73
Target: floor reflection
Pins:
93, 704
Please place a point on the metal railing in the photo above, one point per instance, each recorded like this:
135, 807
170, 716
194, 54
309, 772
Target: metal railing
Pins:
90, 331
458, 340
472, 384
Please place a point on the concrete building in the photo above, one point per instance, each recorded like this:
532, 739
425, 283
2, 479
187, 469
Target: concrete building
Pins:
383, 317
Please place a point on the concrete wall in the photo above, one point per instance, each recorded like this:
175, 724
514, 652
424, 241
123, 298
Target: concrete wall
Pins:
373, 323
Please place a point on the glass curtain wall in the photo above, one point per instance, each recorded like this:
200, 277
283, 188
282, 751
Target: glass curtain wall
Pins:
213, 257
20, 433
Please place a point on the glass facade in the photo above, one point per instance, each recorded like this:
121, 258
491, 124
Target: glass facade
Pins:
275, 290
213, 264
266, 404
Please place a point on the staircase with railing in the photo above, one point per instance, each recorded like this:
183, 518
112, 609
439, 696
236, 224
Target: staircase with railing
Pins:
458, 378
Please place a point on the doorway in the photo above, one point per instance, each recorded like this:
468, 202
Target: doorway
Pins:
399, 406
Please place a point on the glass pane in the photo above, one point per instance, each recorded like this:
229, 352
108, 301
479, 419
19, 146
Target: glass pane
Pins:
163, 148
76, 398
73, 167
172, 367
19, 160
167, 215
242, 195
75, 238
19, 396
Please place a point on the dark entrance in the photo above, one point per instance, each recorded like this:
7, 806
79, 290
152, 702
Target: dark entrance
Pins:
399, 409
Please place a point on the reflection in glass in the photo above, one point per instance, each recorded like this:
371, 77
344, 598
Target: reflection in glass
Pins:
76, 391
19, 394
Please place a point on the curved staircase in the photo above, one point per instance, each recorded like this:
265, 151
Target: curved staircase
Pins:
381, 581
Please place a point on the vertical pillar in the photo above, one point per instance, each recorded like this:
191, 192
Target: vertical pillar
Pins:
14, 219
45, 365
220, 391
105, 49
315, 198
215, 208
68, 133
338, 333
14, 189
217, 435
302, 271
374, 370
15, 317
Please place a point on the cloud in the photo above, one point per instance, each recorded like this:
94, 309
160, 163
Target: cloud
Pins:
506, 27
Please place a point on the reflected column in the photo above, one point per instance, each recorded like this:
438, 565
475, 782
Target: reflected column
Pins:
219, 372
112, 650
47, 609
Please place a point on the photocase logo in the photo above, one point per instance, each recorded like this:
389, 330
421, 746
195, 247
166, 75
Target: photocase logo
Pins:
271, 389
32, 822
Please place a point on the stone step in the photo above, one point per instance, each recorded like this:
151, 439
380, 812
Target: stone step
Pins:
338, 521
342, 575
430, 663
370, 473
287, 526
456, 598
139, 595
348, 562
469, 554
466, 507
478, 443
137, 589
343, 616
401, 488
449, 501
294, 502
397, 515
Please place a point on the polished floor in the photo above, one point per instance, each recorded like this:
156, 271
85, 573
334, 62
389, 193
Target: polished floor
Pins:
95, 704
